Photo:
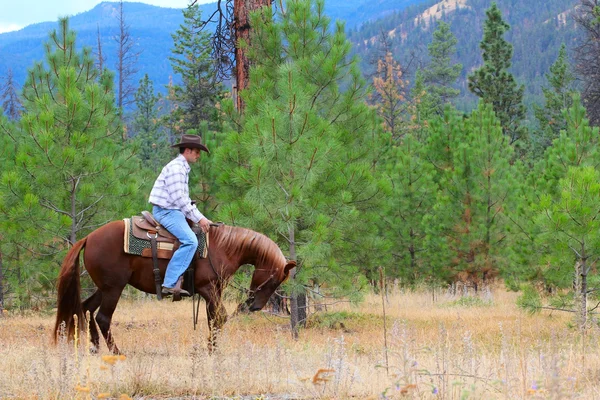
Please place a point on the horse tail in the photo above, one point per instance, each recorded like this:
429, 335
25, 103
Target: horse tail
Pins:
69, 294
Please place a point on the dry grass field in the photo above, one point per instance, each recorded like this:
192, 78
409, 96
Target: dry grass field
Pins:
455, 348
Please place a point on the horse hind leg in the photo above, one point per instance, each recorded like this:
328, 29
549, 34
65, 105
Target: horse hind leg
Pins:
90, 305
104, 317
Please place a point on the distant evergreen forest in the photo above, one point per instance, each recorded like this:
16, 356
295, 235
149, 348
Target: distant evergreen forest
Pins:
538, 28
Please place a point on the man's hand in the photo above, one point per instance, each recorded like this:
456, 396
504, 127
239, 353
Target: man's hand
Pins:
205, 224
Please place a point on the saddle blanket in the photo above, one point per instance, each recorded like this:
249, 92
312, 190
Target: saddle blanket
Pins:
137, 246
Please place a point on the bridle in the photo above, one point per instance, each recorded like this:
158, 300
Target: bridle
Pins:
251, 293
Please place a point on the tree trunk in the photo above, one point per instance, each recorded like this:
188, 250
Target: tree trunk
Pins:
100, 61
294, 313
126, 64
242, 10
582, 281
1, 286
302, 309
73, 233
297, 300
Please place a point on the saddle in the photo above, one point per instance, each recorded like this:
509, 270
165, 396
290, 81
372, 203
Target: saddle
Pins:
143, 229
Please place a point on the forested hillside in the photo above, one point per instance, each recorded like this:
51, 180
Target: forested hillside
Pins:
538, 28
151, 28
536, 34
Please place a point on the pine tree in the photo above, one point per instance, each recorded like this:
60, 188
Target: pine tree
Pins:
445, 134
243, 33
406, 214
10, 99
558, 97
571, 221
168, 106
441, 74
300, 169
193, 103
494, 181
389, 97
493, 83
69, 143
198, 91
421, 109
576, 147
153, 146
472, 157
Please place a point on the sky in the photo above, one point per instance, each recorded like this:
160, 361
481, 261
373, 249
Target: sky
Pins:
16, 14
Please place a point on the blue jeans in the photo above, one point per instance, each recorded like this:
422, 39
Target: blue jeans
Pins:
175, 222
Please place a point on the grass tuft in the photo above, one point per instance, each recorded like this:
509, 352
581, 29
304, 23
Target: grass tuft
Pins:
468, 301
342, 320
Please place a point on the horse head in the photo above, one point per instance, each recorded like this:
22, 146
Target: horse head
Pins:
265, 282
244, 246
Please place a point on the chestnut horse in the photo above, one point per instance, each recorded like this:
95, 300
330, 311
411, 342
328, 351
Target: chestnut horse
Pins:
112, 269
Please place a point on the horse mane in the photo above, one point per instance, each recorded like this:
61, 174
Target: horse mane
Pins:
242, 241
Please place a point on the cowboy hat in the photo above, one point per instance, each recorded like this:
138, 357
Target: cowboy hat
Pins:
192, 142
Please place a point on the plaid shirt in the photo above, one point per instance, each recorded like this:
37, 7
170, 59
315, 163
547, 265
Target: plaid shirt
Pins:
171, 189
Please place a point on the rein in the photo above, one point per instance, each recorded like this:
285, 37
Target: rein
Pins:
260, 286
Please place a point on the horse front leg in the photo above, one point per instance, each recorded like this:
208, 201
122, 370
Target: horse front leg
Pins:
217, 316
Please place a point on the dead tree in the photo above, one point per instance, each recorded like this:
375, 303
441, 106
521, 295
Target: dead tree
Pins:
232, 19
126, 62
242, 10
100, 57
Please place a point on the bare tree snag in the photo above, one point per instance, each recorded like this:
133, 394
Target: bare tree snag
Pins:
100, 57
242, 10
126, 62
232, 27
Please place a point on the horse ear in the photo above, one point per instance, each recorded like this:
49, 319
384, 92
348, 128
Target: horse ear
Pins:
290, 264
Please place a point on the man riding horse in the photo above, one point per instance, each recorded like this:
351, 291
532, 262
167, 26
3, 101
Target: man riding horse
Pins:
172, 205
111, 268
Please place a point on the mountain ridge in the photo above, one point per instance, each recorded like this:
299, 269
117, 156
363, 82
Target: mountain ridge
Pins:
537, 30
150, 26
